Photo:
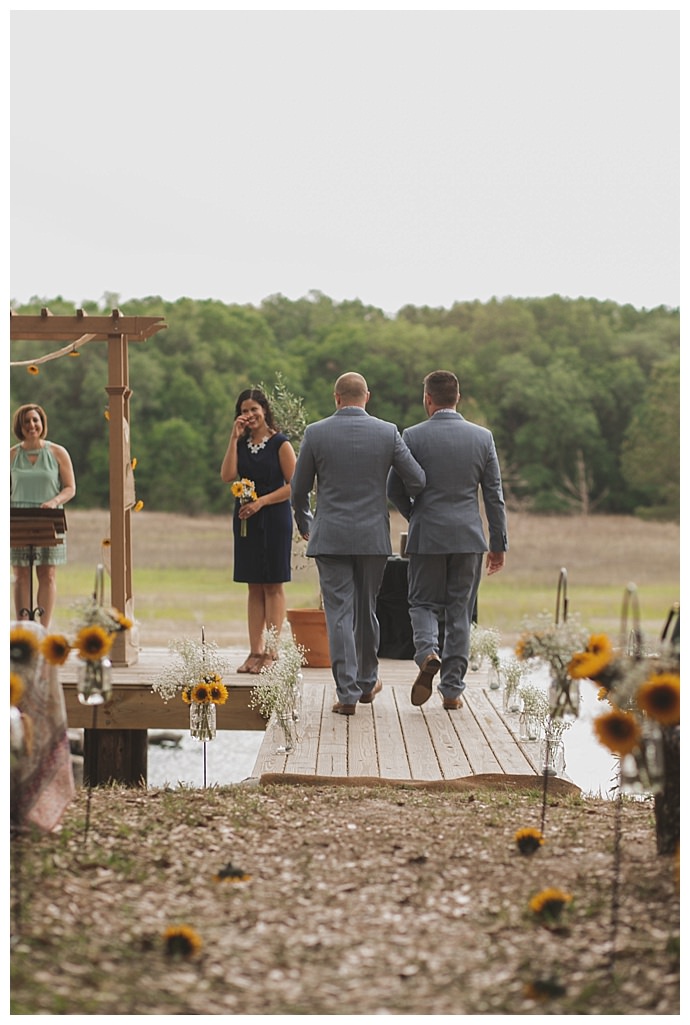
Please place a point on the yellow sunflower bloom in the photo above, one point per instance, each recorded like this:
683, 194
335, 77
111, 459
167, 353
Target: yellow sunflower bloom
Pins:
550, 903
201, 694
618, 731
23, 646
181, 941
218, 692
55, 649
528, 840
93, 643
16, 689
659, 697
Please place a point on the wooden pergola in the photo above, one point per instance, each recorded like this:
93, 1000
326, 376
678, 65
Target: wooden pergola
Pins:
118, 331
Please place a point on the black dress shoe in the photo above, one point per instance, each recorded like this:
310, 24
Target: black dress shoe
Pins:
342, 709
366, 699
423, 685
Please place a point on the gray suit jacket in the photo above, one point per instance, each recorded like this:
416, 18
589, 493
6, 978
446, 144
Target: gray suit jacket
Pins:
349, 455
459, 458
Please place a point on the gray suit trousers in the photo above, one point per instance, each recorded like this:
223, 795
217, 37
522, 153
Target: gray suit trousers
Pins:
444, 586
349, 585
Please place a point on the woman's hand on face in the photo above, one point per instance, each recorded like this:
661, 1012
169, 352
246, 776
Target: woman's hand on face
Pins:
240, 426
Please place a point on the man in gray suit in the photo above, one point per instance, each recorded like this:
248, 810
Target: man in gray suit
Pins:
349, 456
446, 540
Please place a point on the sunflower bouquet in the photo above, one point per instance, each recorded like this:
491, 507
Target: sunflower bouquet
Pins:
245, 491
196, 675
554, 644
95, 628
643, 692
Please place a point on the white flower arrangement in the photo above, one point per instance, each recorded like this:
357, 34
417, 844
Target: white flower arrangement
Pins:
484, 643
194, 663
278, 688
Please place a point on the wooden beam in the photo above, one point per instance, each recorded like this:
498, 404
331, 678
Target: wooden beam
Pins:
134, 706
49, 328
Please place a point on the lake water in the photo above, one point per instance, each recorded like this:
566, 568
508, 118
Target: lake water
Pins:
230, 758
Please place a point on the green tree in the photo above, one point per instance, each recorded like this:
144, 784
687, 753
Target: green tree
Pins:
651, 449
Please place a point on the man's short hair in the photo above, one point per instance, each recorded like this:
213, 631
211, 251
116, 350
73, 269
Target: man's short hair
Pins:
442, 387
351, 386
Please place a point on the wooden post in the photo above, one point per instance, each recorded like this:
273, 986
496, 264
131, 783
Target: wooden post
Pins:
123, 652
115, 756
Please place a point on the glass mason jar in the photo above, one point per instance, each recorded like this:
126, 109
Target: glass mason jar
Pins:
511, 699
552, 756
529, 726
564, 697
494, 678
94, 681
202, 721
642, 772
287, 730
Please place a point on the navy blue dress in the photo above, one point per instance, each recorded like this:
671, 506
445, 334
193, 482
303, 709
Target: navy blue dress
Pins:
263, 556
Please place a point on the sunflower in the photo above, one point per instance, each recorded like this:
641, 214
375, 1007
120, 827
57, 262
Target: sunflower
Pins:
590, 663
201, 693
218, 692
549, 903
619, 731
123, 623
16, 689
93, 643
181, 941
33, 369
23, 646
231, 874
187, 695
55, 649
528, 840
659, 697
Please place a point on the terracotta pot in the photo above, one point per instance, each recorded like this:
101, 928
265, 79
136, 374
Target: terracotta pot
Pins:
309, 629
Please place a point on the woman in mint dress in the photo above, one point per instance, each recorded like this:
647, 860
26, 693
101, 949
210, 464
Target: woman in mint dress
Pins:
262, 528
41, 477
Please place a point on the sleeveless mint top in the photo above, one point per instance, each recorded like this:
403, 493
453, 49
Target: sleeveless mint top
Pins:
31, 484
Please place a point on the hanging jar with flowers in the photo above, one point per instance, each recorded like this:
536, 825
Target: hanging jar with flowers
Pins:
203, 699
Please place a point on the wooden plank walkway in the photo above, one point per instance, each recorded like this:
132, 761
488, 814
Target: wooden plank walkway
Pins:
389, 739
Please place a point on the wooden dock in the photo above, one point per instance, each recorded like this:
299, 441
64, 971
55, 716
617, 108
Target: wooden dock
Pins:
388, 740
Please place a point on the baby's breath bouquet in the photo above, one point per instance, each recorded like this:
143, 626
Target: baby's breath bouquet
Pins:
278, 692
555, 644
484, 643
512, 674
194, 664
95, 627
196, 674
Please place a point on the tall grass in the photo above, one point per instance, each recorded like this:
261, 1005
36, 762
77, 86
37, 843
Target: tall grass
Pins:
182, 573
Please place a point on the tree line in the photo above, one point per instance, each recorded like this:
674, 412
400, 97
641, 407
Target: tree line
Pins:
582, 395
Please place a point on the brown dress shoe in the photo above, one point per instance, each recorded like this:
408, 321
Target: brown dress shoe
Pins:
423, 685
342, 709
452, 703
366, 699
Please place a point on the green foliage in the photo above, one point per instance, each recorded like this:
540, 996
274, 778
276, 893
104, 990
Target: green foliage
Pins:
580, 394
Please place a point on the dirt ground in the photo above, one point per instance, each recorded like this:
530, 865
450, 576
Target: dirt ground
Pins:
385, 901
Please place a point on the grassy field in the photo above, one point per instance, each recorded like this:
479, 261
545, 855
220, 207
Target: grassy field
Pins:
182, 573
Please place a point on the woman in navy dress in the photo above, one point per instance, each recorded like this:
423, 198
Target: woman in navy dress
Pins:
262, 527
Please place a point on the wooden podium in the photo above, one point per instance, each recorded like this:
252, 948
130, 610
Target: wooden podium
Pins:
35, 528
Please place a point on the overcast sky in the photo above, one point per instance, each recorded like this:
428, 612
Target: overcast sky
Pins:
389, 156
